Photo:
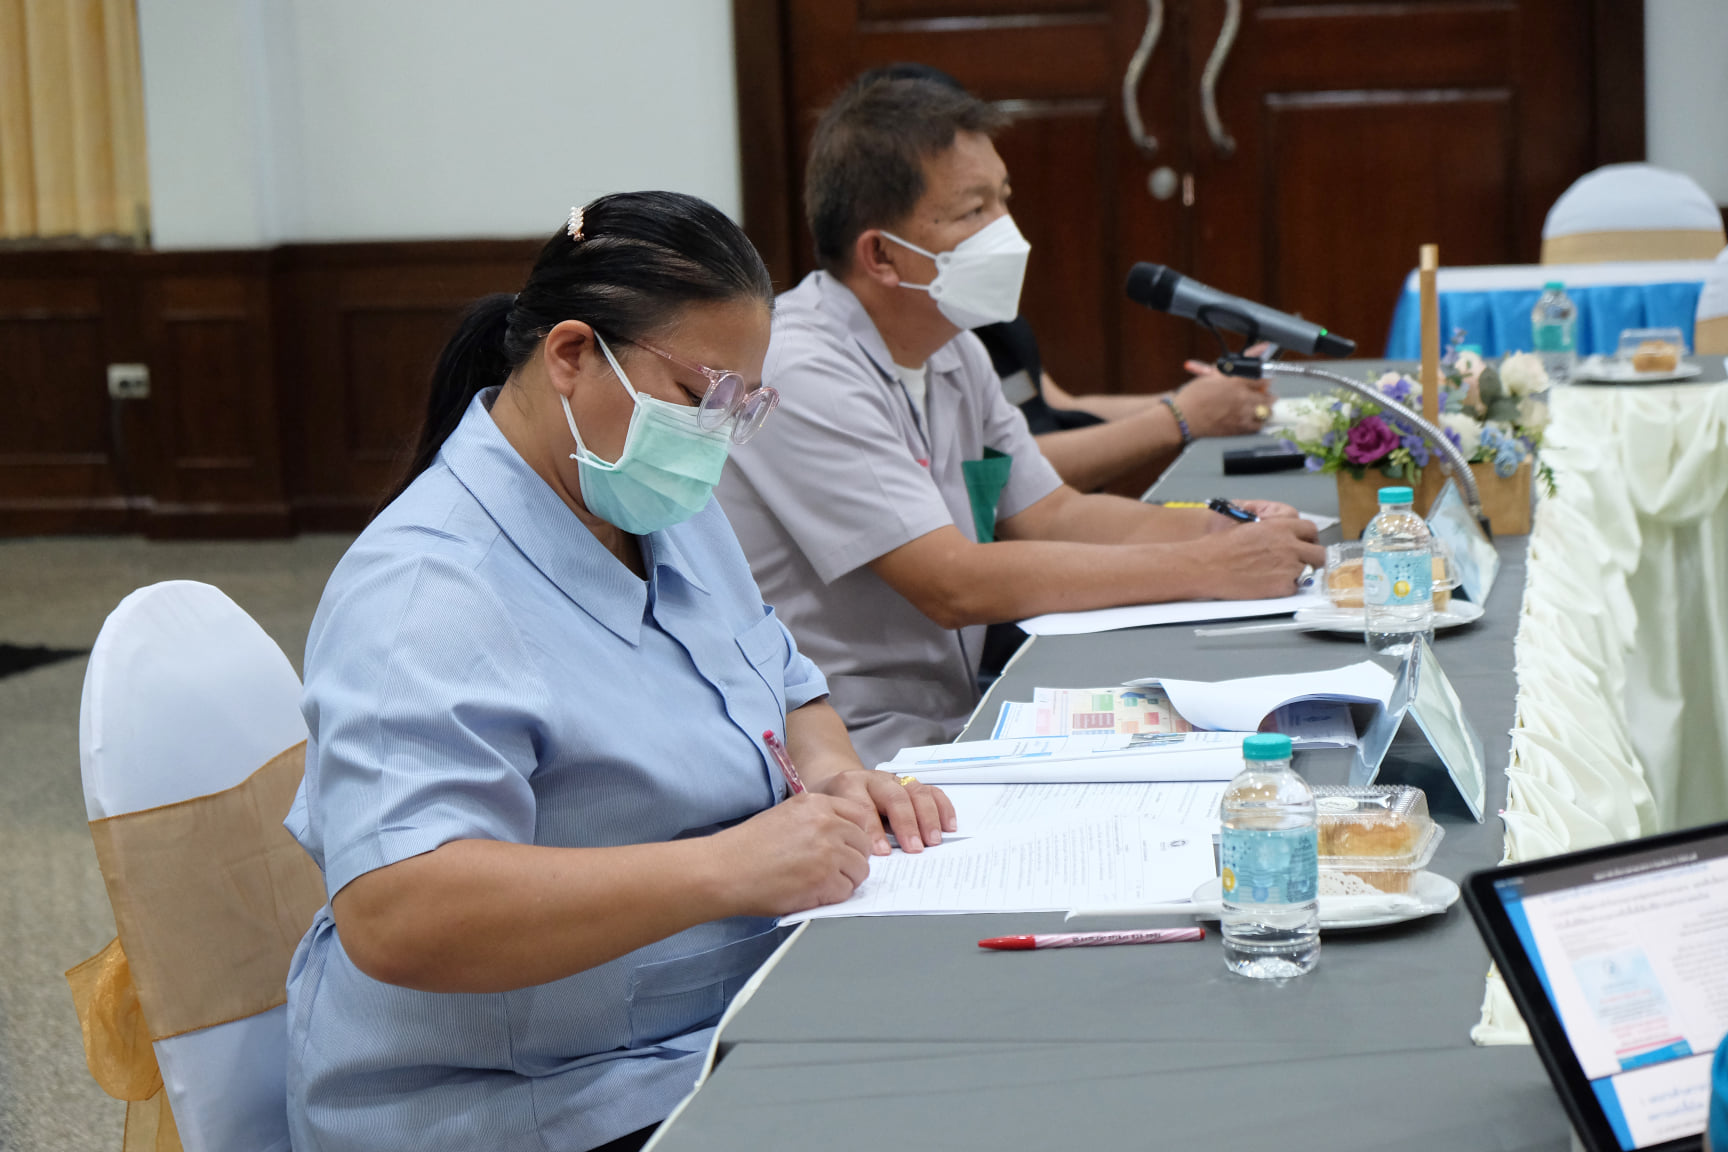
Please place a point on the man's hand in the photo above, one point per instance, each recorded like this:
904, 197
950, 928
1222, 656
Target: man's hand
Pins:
1259, 561
1219, 405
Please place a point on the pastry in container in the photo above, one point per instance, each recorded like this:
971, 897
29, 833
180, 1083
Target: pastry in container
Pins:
1380, 834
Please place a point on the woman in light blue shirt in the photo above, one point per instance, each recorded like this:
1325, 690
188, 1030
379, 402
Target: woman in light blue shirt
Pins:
537, 685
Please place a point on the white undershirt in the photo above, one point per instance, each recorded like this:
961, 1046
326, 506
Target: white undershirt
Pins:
917, 382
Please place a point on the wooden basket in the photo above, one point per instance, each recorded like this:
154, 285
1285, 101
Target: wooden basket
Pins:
1505, 499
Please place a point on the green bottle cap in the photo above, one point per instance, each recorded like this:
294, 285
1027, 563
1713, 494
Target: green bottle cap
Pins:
1266, 746
1553, 286
1397, 496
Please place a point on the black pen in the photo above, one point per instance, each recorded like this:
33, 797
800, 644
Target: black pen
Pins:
1224, 508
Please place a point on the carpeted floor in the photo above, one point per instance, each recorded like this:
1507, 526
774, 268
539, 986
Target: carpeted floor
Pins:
54, 595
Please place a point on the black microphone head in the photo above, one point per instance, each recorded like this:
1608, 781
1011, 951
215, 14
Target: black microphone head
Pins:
1152, 285
1333, 345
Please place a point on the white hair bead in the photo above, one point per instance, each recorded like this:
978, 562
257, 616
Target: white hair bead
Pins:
574, 227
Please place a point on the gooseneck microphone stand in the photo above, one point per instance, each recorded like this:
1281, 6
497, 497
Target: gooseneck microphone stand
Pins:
1254, 368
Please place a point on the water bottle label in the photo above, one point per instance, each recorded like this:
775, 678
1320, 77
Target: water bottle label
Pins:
1270, 865
1397, 578
1553, 337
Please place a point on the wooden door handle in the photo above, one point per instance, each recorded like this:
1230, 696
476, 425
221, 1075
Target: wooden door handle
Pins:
1143, 140
1222, 141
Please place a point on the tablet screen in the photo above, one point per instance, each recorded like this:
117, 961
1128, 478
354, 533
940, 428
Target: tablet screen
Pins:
1632, 954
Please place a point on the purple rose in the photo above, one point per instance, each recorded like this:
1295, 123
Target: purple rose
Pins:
1369, 441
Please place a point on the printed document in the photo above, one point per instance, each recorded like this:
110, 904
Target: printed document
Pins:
981, 808
1092, 863
1076, 759
1123, 711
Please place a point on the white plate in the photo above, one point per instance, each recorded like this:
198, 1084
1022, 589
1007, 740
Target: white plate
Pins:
1610, 371
1330, 619
1431, 894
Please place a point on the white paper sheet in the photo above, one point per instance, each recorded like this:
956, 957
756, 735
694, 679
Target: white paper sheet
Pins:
1316, 724
1076, 759
1180, 612
1240, 705
984, 808
1083, 864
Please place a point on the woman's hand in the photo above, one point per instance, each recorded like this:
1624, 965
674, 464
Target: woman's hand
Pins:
916, 813
810, 850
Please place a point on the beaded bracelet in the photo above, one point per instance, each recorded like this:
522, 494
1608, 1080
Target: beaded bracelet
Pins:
1181, 424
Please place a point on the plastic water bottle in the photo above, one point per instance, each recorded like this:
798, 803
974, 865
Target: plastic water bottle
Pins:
1271, 855
1397, 577
1553, 327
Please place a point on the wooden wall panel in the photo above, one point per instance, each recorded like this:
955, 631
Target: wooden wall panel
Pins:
284, 384
363, 324
217, 467
58, 330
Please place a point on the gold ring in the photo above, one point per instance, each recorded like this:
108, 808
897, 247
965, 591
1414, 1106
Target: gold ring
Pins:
907, 781
1261, 412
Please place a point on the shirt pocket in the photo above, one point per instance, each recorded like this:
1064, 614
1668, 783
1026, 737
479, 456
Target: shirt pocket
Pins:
673, 997
764, 646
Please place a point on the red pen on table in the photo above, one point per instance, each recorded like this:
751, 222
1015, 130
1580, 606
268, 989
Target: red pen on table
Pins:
1090, 939
784, 759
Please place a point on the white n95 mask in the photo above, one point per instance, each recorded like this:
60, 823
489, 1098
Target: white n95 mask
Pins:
978, 282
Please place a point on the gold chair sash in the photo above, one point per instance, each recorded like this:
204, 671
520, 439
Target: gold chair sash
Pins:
205, 934
1633, 244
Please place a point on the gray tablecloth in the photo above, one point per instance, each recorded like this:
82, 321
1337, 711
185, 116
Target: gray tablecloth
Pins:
903, 1029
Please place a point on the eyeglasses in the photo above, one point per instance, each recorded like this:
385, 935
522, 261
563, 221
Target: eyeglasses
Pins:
727, 397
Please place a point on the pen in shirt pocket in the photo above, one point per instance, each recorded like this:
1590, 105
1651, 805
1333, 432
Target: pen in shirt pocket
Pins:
794, 785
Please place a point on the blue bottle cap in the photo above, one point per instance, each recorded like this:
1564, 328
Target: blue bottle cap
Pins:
1397, 496
1266, 746
1553, 286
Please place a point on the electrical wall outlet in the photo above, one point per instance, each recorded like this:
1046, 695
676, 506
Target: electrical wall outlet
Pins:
129, 381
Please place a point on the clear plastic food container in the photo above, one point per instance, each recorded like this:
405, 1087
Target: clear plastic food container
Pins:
1382, 835
1651, 349
1341, 580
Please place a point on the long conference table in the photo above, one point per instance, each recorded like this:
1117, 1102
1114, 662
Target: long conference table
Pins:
873, 1033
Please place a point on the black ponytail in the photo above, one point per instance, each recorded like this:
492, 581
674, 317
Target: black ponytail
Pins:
642, 258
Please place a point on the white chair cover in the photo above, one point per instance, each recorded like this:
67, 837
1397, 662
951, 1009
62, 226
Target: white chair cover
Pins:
1713, 301
1631, 198
185, 696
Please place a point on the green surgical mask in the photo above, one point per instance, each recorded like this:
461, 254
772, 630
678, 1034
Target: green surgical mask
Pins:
666, 472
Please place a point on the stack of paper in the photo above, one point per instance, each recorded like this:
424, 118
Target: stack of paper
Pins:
1119, 862
1312, 708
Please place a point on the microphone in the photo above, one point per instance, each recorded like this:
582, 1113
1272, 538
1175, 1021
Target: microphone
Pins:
1166, 290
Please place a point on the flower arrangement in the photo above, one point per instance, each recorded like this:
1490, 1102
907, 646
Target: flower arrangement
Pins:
1495, 415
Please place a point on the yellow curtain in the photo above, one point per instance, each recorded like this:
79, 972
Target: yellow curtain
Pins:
71, 121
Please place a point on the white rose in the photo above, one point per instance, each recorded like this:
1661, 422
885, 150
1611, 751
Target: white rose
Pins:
1304, 419
1522, 374
1468, 431
1468, 365
1532, 415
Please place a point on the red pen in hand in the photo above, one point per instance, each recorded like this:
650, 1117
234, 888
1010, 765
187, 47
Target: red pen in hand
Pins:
784, 759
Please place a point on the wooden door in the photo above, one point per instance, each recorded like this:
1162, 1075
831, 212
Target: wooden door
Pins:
1361, 129
1348, 134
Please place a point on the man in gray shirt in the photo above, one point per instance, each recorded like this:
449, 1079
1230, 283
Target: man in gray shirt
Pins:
897, 504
